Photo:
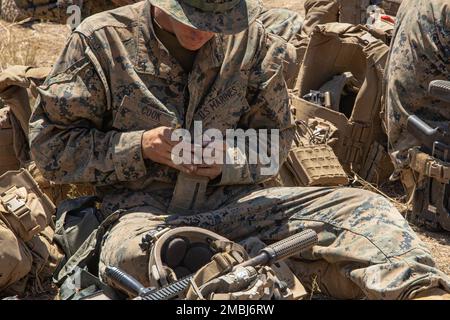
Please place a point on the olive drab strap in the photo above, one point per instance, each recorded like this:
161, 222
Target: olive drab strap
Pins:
350, 51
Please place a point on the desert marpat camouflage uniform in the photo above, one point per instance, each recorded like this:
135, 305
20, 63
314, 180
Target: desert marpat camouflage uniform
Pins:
114, 80
420, 53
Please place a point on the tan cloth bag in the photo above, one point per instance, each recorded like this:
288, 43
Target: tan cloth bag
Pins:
27, 253
337, 49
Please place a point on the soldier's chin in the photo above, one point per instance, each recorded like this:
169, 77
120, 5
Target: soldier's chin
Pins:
192, 45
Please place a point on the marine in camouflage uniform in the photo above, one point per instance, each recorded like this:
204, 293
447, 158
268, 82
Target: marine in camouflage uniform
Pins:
420, 53
115, 80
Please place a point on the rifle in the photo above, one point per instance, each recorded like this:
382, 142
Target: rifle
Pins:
431, 198
276, 252
435, 142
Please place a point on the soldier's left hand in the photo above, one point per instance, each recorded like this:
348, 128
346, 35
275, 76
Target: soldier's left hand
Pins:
210, 171
213, 160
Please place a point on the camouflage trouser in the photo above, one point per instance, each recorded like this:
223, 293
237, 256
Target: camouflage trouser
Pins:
366, 248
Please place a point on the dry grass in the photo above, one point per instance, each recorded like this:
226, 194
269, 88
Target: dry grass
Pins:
296, 5
27, 43
15, 50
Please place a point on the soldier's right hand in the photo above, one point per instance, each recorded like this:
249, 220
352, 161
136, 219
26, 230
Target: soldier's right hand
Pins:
157, 146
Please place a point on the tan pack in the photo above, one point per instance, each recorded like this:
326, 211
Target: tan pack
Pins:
23, 206
28, 256
17, 91
336, 49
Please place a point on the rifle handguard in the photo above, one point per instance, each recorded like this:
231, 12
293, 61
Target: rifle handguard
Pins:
284, 249
440, 89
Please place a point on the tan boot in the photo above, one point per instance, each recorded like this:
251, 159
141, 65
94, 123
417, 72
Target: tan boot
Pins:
432, 294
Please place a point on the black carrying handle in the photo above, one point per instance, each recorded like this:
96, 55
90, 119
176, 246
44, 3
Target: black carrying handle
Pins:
439, 89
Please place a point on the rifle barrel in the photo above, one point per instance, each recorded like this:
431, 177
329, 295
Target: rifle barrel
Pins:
284, 249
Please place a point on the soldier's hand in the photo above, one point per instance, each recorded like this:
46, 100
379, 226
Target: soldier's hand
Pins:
212, 171
211, 168
157, 146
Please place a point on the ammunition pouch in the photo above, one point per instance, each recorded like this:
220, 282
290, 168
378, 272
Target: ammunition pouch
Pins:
316, 165
427, 181
189, 195
311, 160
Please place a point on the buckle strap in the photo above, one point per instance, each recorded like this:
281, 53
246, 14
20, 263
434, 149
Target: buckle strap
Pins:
429, 166
17, 206
149, 239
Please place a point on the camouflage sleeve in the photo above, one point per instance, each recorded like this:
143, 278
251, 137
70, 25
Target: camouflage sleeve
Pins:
66, 137
420, 53
269, 109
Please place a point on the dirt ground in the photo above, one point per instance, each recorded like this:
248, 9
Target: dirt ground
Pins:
38, 44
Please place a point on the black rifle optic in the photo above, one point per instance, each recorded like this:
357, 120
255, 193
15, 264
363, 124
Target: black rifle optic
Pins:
276, 252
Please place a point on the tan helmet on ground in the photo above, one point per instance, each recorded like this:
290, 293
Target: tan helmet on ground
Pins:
179, 252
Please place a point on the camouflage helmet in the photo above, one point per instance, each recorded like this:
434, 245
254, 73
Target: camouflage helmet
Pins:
188, 248
218, 16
